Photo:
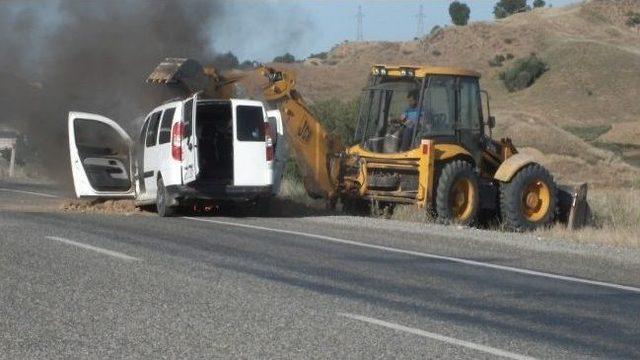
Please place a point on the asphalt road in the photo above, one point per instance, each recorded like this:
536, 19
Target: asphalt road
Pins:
113, 286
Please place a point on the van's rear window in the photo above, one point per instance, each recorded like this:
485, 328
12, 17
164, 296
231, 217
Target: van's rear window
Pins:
250, 123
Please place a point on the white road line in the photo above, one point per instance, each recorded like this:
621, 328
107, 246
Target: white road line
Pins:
30, 193
96, 249
434, 336
432, 256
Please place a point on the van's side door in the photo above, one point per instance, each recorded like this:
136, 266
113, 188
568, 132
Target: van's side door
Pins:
190, 165
100, 154
151, 161
280, 148
250, 165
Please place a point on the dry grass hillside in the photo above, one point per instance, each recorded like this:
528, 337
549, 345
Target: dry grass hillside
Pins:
581, 118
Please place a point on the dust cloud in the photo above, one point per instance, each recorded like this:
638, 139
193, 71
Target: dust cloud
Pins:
93, 56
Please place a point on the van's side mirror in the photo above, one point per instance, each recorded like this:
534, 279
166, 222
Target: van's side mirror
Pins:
492, 122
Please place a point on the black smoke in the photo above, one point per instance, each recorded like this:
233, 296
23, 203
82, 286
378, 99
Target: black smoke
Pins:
93, 56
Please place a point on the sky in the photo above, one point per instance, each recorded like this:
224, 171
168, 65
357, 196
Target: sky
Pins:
261, 30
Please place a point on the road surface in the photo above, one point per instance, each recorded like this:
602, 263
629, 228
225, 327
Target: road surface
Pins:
115, 286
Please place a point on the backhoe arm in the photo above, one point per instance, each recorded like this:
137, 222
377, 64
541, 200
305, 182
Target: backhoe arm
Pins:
315, 151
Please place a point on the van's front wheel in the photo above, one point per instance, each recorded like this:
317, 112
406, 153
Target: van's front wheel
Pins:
162, 201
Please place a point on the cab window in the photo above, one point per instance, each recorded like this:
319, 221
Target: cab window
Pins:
438, 107
152, 130
469, 104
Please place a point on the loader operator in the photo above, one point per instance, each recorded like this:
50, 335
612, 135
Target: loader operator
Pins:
409, 119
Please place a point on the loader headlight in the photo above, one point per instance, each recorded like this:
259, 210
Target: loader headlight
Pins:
376, 71
383, 71
407, 72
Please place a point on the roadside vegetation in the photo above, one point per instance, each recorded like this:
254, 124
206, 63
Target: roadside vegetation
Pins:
523, 73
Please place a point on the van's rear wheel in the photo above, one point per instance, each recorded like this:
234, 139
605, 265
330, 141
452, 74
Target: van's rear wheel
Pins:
529, 200
457, 196
162, 201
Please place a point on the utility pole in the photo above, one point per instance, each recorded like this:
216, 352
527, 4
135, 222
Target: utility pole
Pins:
359, 17
420, 27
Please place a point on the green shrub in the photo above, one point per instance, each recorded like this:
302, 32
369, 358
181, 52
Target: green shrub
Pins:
320, 55
588, 133
523, 73
497, 61
539, 3
505, 8
436, 52
286, 58
633, 19
510, 56
508, 41
338, 117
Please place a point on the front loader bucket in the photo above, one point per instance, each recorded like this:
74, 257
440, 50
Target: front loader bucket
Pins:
573, 206
187, 75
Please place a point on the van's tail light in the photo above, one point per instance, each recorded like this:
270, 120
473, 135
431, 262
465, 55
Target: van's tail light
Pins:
268, 141
176, 141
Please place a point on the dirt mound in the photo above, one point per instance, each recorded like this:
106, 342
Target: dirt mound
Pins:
126, 207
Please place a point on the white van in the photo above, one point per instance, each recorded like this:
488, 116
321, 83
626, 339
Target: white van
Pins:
187, 151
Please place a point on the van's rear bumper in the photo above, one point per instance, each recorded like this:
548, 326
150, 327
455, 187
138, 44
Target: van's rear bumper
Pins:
199, 191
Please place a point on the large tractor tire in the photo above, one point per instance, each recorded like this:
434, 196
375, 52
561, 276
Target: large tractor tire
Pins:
457, 195
529, 200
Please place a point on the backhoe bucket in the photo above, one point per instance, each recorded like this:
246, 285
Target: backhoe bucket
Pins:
186, 75
573, 206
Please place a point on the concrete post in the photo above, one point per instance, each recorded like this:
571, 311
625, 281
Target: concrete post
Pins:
12, 163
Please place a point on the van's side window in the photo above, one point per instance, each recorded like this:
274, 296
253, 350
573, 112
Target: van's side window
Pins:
250, 123
188, 117
165, 126
152, 131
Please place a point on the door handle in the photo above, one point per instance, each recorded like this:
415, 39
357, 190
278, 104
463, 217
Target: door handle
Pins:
190, 146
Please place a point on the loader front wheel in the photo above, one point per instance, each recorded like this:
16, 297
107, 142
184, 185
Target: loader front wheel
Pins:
457, 196
528, 201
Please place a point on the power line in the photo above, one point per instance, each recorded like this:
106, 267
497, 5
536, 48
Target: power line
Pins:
359, 17
420, 27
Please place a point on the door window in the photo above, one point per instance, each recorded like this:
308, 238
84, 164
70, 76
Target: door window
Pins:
104, 154
188, 118
250, 123
152, 130
438, 107
469, 104
165, 126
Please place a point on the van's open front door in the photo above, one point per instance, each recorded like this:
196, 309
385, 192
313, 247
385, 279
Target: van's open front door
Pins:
279, 147
100, 153
190, 164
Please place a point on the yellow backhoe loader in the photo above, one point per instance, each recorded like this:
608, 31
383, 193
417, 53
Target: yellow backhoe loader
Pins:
423, 137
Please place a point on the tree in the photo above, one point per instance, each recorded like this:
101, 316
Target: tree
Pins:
226, 61
539, 3
633, 19
286, 58
505, 8
459, 13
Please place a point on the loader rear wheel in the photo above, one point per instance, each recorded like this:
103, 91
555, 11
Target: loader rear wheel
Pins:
457, 197
528, 201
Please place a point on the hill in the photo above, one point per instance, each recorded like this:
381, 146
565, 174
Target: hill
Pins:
581, 118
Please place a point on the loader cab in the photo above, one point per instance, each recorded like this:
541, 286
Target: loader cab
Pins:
449, 109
